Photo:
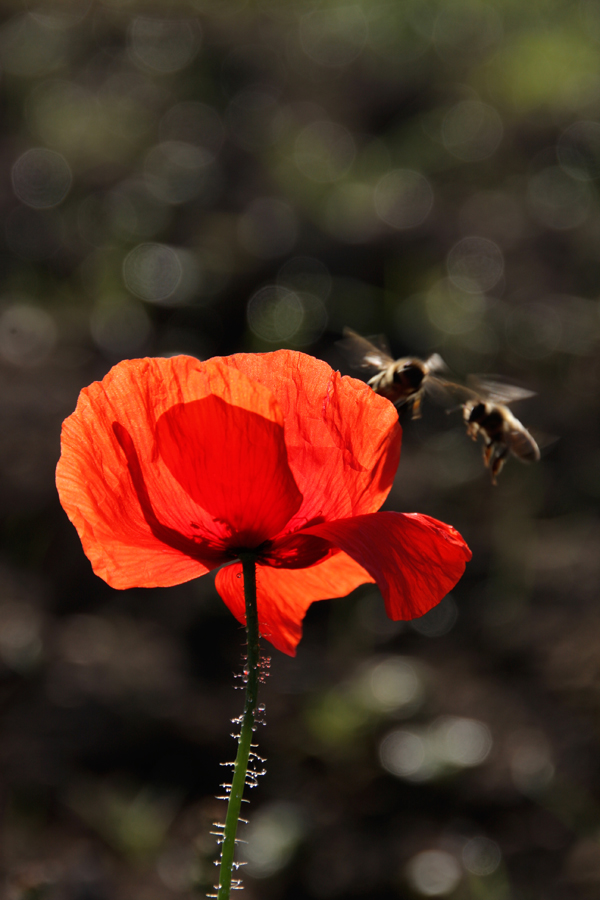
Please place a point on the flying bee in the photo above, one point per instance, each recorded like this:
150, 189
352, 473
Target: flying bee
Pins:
486, 414
403, 381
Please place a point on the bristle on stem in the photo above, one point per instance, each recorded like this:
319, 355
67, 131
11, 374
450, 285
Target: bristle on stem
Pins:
255, 670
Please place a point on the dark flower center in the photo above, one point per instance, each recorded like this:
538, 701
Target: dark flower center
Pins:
259, 552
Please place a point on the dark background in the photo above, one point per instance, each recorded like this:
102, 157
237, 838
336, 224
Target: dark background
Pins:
217, 176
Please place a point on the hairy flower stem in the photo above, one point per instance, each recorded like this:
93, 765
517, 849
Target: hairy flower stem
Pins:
246, 731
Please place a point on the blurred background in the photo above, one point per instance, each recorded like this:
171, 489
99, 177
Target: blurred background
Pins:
216, 176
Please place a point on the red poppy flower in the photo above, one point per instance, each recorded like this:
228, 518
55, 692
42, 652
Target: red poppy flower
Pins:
171, 467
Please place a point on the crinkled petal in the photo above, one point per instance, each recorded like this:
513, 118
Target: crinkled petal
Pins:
233, 463
138, 525
343, 440
284, 595
414, 559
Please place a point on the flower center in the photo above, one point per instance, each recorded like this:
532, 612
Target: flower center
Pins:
257, 552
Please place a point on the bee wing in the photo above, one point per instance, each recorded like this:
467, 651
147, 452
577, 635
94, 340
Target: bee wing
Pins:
361, 353
523, 445
381, 343
496, 390
435, 363
448, 393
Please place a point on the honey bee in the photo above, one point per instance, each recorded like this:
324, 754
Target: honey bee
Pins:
484, 402
403, 381
486, 414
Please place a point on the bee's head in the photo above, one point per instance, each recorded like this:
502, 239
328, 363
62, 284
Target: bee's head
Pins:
411, 374
477, 413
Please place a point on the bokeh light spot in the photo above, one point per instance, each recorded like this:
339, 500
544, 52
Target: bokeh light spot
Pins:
558, 201
152, 272
272, 837
403, 198
41, 178
481, 856
438, 621
28, 334
461, 742
335, 35
177, 868
70, 13
66, 116
276, 314
404, 754
163, 45
433, 873
28, 47
454, 311
531, 763
475, 264
349, 213
20, 635
392, 685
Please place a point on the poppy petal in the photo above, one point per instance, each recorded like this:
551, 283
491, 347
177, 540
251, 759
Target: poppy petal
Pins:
137, 524
343, 440
233, 463
284, 595
414, 559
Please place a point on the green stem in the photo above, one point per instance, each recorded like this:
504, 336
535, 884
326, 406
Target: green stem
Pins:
246, 732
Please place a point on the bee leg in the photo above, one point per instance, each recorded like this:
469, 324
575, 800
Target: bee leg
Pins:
497, 468
494, 465
402, 409
416, 408
498, 459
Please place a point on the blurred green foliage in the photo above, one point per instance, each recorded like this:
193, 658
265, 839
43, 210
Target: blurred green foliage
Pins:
214, 176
